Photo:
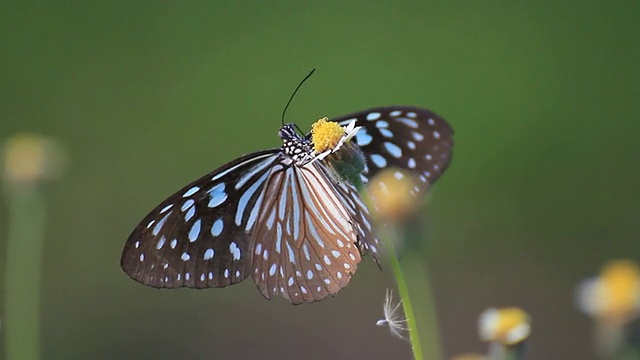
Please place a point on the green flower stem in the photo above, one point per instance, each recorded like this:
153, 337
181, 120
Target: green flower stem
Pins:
426, 306
498, 351
23, 273
389, 235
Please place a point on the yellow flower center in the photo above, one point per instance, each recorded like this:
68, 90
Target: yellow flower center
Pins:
507, 326
621, 288
325, 134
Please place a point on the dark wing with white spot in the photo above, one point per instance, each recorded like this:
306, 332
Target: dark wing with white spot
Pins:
405, 137
309, 232
198, 236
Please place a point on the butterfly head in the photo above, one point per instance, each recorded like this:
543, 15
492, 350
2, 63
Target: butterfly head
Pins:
297, 147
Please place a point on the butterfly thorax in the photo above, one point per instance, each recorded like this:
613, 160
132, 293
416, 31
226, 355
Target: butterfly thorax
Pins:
298, 148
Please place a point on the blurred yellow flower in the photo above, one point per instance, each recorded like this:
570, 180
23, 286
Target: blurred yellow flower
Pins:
394, 194
31, 158
614, 296
613, 300
507, 326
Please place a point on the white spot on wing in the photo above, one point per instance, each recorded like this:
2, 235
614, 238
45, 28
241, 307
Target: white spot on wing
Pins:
393, 149
216, 228
305, 250
158, 227
217, 195
362, 138
161, 242
191, 191
190, 213
386, 133
195, 231
187, 204
409, 122
373, 116
382, 124
379, 160
235, 250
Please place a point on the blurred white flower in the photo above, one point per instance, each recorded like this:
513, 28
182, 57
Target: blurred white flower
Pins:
612, 299
507, 326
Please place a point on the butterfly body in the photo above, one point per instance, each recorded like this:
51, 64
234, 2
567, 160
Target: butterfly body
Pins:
284, 216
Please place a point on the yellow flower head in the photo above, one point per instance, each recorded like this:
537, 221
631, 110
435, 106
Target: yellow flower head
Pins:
31, 158
507, 326
326, 134
394, 194
614, 296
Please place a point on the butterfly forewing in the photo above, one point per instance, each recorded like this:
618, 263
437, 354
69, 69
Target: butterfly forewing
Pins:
404, 137
194, 238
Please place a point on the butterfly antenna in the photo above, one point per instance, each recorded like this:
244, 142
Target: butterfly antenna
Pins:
294, 94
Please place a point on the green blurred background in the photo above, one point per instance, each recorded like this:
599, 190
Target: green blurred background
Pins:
147, 96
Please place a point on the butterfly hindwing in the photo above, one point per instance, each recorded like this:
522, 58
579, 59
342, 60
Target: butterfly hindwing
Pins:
306, 238
404, 137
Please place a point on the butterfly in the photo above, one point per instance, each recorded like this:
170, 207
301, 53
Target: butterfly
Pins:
285, 216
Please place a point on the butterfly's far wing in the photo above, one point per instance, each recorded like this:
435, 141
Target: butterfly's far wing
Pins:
405, 137
197, 237
308, 234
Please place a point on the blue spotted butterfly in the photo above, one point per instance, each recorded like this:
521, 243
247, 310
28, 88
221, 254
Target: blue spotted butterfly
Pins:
282, 216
